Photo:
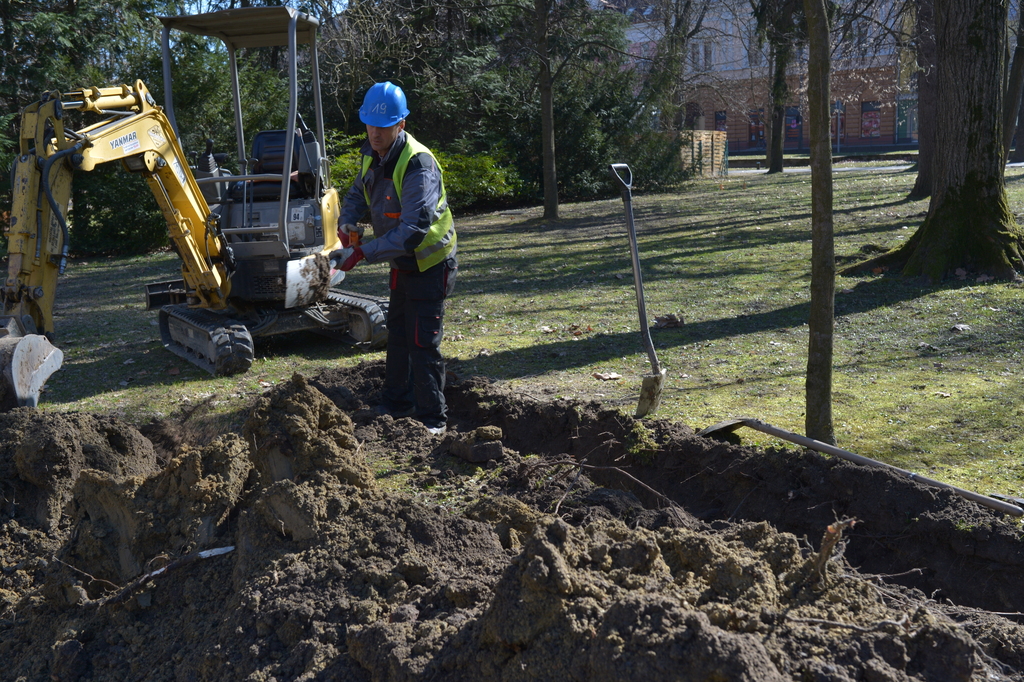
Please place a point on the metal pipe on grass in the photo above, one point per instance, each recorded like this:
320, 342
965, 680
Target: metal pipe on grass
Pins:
758, 425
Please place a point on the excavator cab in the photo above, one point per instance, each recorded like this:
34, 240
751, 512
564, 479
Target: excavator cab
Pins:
274, 212
268, 157
276, 219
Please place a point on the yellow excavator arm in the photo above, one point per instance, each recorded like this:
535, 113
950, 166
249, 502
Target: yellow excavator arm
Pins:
132, 130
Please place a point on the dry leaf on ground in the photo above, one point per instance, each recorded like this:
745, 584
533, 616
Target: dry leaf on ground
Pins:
670, 320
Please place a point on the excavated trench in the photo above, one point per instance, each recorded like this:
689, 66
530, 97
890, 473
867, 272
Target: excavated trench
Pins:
535, 541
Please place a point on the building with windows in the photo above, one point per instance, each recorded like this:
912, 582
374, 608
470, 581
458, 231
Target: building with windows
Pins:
728, 78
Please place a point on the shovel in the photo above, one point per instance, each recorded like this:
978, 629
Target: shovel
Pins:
650, 391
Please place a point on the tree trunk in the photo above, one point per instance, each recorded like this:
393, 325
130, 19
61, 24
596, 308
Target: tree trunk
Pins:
780, 93
969, 224
547, 109
1017, 156
680, 21
818, 421
1014, 85
925, 99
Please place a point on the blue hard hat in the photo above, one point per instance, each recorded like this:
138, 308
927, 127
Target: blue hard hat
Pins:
383, 106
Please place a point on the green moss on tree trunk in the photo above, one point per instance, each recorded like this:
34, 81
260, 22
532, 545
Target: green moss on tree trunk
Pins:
968, 229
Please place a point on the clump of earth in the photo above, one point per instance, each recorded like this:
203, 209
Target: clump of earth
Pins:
534, 541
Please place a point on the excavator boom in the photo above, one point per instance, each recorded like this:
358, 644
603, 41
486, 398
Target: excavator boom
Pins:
134, 131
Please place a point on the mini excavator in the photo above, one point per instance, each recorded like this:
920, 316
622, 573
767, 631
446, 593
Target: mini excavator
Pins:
254, 246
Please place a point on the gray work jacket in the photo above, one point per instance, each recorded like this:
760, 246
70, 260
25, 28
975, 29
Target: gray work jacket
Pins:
398, 225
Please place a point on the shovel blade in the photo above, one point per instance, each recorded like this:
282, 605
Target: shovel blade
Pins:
650, 394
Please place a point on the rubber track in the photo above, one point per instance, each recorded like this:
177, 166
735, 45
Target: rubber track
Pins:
375, 307
224, 346
227, 348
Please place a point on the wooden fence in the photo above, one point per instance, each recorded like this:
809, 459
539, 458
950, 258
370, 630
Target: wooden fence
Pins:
706, 152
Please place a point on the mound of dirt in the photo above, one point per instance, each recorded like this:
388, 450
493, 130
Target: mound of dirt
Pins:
535, 541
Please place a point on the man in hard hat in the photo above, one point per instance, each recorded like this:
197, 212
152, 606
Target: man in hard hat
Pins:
401, 187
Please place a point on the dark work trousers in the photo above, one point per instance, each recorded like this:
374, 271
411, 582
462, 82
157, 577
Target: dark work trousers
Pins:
414, 374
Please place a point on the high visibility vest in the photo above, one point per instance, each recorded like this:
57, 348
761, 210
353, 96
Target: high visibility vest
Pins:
439, 242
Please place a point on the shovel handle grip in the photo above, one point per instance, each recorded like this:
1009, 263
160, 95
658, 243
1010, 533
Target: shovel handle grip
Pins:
623, 175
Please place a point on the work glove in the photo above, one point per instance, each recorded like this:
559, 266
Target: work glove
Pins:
346, 259
350, 235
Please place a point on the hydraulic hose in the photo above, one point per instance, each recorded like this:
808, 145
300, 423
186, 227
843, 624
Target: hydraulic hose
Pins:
47, 165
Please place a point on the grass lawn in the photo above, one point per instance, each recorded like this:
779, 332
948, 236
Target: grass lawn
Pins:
926, 378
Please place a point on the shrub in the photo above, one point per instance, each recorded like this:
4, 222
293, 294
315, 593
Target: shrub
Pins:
346, 159
471, 180
654, 158
479, 181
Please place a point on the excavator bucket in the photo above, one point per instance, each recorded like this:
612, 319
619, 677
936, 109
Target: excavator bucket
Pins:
26, 362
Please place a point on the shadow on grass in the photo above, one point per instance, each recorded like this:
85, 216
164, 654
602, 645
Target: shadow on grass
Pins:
670, 234
685, 237
570, 354
149, 365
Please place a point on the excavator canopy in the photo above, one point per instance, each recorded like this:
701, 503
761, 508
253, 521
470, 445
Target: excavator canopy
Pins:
248, 26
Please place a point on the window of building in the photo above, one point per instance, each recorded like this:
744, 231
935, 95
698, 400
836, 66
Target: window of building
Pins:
694, 116
750, 45
838, 125
861, 33
906, 119
870, 119
794, 124
643, 56
708, 54
720, 121
755, 127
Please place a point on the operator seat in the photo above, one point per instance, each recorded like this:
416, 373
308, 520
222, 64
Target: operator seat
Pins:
268, 150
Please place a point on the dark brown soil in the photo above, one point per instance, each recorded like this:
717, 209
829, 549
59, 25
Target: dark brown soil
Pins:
535, 541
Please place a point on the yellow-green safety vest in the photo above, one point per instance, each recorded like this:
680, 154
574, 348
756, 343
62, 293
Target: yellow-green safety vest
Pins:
440, 239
